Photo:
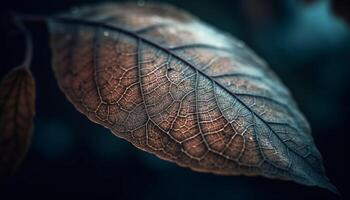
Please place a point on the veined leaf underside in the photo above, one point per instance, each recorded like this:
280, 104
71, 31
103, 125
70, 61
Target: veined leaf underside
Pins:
178, 88
17, 99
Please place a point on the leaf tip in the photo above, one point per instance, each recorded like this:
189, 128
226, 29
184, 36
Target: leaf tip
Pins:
329, 186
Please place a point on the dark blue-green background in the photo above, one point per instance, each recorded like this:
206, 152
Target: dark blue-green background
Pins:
70, 157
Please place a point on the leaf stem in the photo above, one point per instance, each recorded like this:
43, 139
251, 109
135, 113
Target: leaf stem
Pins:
29, 43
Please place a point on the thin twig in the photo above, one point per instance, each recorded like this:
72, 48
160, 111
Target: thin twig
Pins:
29, 43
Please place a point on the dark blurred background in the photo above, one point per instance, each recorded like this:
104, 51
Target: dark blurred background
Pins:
304, 42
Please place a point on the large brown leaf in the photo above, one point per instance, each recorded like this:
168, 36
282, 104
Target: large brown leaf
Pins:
180, 89
17, 99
